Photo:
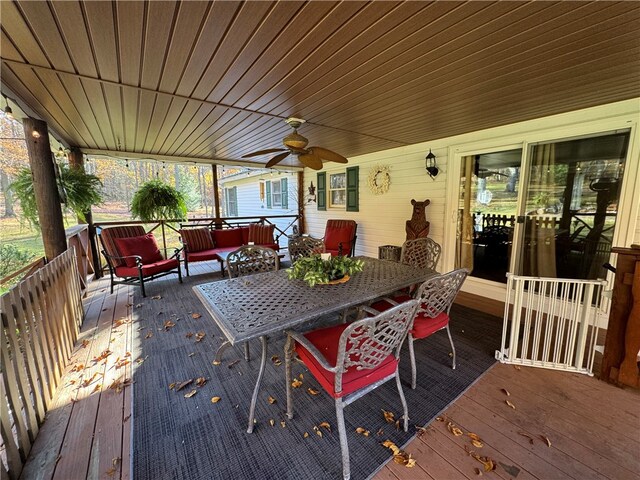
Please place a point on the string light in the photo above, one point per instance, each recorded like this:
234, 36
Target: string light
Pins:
7, 109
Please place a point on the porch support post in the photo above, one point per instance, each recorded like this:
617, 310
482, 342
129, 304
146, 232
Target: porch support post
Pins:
45, 187
76, 160
216, 197
301, 222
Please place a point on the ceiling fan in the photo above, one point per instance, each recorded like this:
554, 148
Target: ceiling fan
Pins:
296, 144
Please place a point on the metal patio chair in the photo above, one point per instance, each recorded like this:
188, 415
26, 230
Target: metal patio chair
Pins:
301, 247
421, 253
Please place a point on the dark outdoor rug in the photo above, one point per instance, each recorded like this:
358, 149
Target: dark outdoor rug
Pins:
191, 438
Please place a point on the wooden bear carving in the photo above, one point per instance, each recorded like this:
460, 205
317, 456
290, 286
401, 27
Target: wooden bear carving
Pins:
418, 227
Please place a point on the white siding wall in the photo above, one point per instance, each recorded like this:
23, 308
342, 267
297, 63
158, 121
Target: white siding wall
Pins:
381, 219
249, 203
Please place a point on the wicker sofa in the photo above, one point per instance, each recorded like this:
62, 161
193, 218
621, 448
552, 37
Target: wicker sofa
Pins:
205, 243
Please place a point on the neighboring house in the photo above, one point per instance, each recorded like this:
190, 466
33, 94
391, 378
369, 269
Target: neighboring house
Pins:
381, 217
261, 193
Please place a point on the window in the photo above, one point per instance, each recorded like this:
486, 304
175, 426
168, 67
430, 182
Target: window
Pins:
231, 201
277, 194
338, 190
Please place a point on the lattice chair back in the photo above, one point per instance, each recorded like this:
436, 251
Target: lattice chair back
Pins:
366, 343
437, 294
304, 247
252, 259
421, 253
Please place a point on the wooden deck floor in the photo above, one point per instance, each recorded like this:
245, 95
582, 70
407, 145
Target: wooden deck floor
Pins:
593, 427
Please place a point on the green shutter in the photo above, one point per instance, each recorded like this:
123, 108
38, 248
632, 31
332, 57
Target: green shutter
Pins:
352, 189
268, 194
322, 191
234, 205
285, 193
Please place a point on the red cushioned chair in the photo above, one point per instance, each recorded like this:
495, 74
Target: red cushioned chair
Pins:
340, 237
435, 297
133, 256
351, 360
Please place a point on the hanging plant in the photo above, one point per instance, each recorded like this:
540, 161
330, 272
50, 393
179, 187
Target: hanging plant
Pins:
82, 191
156, 200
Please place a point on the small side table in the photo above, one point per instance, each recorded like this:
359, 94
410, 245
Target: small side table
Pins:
389, 252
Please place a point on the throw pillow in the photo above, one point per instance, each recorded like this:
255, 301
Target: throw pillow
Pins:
261, 234
144, 246
196, 239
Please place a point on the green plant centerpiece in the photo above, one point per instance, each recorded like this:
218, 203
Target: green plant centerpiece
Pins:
156, 200
314, 270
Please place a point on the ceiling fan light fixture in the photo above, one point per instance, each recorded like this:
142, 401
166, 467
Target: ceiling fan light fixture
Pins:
295, 140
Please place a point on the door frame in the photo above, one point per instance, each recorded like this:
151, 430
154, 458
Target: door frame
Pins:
628, 206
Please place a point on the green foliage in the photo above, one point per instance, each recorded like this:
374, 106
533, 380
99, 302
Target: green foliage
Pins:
156, 200
82, 190
13, 258
314, 270
190, 191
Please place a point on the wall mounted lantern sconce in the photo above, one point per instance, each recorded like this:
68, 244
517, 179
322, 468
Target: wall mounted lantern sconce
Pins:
430, 165
7, 109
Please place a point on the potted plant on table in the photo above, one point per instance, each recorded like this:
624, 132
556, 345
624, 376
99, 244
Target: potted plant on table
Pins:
316, 270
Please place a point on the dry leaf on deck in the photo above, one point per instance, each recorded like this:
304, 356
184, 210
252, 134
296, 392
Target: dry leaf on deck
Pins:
181, 385
453, 429
140, 360
478, 471
420, 431
85, 343
200, 335
215, 399
388, 416
102, 356
312, 391
301, 376
156, 297
546, 439
122, 363
118, 385
215, 363
88, 381
488, 463
296, 383
380, 432
191, 354
440, 419
397, 424
275, 358
96, 388
283, 424
195, 315
528, 436
305, 435
474, 436
517, 367
189, 334
506, 392
477, 443
191, 393
510, 404
200, 381
391, 446
78, 367
317, 430
168, 324
149, 334
272, 422
362, 431
138, 305
271, 400
172, 386
326, 425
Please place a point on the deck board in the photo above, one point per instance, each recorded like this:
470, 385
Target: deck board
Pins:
592, 425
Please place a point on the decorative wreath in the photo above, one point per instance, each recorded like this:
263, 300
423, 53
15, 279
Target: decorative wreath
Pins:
379, 179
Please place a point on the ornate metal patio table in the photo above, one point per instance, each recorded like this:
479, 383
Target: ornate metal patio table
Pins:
269, 303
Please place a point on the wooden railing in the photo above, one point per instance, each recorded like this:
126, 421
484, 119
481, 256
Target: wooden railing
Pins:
167, 230
78, 238
41, 317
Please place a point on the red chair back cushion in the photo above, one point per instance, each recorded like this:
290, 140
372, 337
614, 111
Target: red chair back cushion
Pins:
245, 235
261, 234
227, 237
197, 239
108, 237
339, 231
144, 246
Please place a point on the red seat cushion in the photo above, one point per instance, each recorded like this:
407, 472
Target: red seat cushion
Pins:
196, 239
261, 234
148, 269
202, 256
424, 326
145, 246
227, 237
326, 341
383, 305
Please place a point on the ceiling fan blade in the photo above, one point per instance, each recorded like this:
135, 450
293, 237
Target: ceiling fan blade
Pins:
311, 160
263, 152
276, 159
328, 154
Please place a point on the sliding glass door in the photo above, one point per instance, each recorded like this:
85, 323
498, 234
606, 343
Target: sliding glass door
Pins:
549, 213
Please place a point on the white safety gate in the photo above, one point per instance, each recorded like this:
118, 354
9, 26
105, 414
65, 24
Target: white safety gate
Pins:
551, 323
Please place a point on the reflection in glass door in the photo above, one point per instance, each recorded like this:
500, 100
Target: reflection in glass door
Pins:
571, 205
551, 216
488, 207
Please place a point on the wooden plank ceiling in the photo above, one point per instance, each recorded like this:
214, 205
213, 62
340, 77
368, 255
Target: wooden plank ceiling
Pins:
214, 80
